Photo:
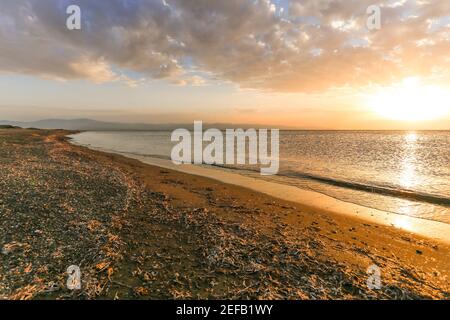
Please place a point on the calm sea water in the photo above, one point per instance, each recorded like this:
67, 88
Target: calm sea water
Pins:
403, 172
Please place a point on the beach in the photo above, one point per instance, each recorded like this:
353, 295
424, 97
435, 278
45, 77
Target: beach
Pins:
146, 232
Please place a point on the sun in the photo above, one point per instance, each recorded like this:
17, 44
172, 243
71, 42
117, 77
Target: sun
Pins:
411, 101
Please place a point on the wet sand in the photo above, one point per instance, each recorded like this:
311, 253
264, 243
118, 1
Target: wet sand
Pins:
141, 231
313, 200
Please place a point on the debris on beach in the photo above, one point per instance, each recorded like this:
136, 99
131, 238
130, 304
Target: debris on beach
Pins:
63, 206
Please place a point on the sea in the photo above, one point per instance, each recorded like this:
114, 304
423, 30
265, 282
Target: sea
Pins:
403, 172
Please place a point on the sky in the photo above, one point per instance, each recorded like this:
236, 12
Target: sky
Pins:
312, 64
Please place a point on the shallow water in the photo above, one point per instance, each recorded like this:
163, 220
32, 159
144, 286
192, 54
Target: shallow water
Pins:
402, 172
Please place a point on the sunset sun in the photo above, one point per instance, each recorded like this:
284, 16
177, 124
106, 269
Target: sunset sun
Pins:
411, 101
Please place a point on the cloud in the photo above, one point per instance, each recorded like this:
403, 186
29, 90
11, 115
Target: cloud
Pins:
97, 71
190, 80
309, 45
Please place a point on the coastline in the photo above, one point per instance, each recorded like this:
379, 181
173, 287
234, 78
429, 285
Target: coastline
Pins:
142, 231
309, 199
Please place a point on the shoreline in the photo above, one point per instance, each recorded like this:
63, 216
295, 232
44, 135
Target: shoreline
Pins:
428, 228
143, 232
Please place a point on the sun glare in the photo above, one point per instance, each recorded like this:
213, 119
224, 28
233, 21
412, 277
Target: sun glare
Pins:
411, 101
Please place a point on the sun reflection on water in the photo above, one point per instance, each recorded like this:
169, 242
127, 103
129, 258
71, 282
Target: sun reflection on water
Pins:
411, 137
408, 176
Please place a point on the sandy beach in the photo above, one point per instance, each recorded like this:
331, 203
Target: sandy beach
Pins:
146, 232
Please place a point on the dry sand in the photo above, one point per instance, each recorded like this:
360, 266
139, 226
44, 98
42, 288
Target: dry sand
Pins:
140, 231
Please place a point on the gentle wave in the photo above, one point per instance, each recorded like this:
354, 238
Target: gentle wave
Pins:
382, 190
395, 192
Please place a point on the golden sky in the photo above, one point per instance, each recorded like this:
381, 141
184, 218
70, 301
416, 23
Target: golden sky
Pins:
309, 64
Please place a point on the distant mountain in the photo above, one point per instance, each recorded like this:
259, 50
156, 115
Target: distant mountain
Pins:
83, 124
94, 125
